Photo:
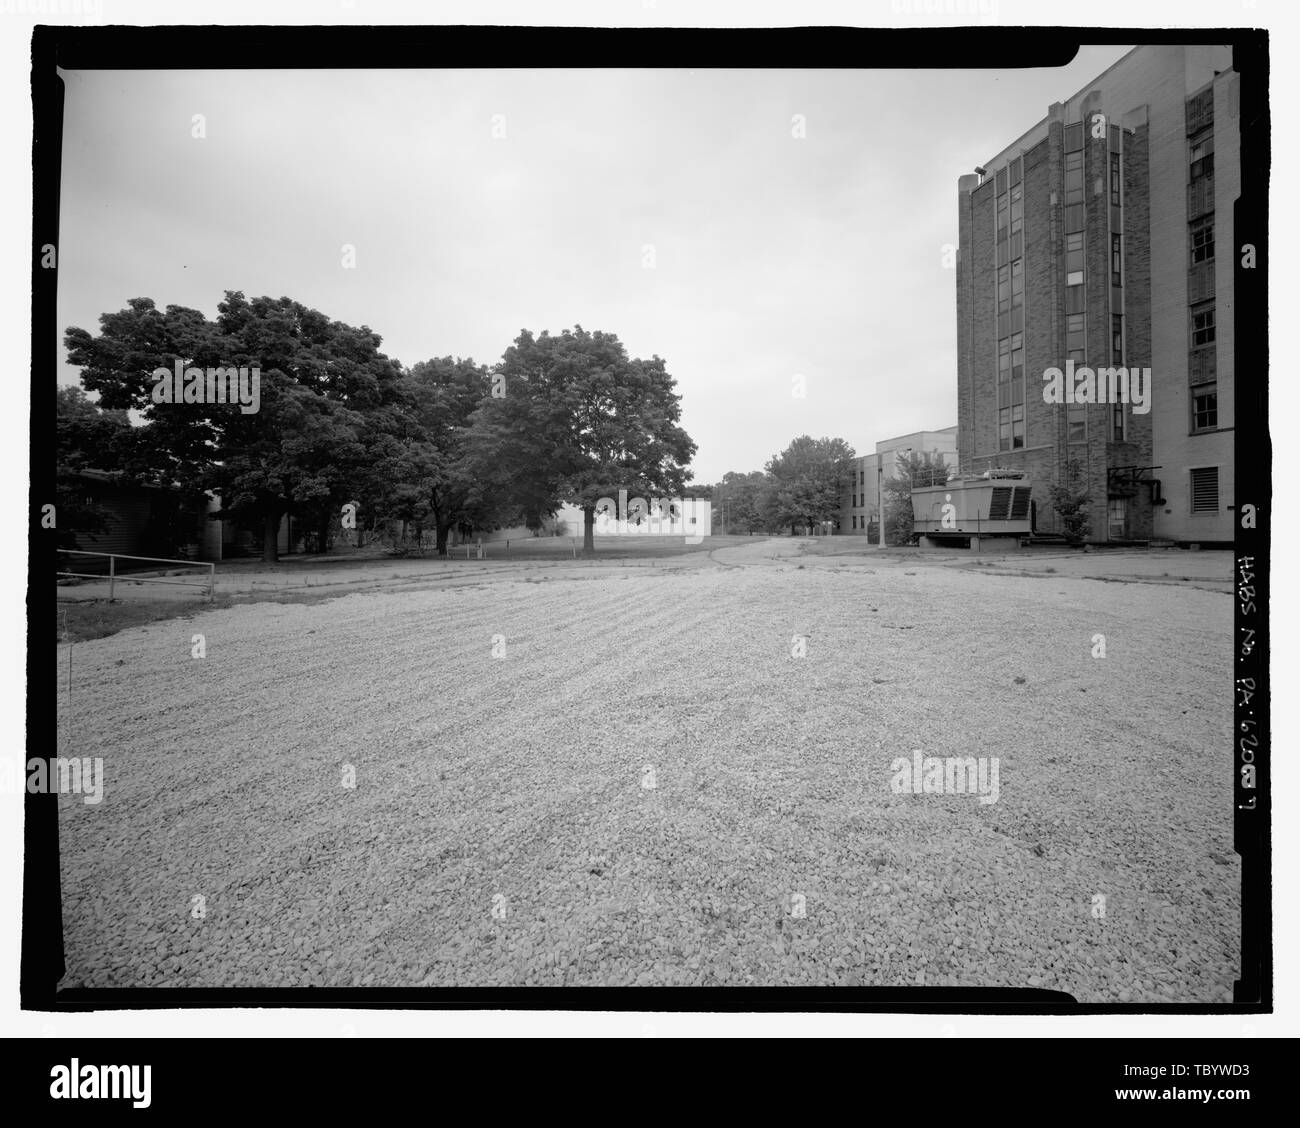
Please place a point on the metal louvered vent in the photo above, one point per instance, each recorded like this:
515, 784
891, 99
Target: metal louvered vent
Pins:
1001, 503
1020, 503
1205, 489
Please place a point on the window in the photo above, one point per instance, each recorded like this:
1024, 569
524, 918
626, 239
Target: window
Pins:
1074, 259
1004, 289
855, 501
1117, 422
1201, 154
1202, 328
1011, 392
1074, 333
1116, 274
862, 477
1017, 284
1205, 407
1076, 420
1002, 218
855, 521
1073, 178
1117, 339
1205, 489
1200, 111
1203, 241
1114, 180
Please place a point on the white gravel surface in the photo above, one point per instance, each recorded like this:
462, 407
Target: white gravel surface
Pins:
499, 830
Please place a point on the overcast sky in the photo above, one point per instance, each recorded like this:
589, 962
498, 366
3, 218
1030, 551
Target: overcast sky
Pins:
772, 255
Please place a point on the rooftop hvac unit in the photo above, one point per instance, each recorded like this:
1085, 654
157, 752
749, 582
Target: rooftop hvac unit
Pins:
984, 506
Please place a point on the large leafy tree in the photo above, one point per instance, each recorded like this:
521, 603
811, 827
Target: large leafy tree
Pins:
422, 459
87, 438
740, 501
806, 481
324, 390
579, 421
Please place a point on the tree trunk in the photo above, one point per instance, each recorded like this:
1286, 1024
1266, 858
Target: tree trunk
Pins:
588, 530
271, 538
323, 533
443, 530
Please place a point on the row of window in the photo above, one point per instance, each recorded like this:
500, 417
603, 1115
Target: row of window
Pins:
1203, 330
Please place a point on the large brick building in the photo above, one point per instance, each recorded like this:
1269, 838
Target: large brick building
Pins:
1090, 242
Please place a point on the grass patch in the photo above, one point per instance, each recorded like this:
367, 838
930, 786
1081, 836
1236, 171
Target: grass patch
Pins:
81, 620
85, 619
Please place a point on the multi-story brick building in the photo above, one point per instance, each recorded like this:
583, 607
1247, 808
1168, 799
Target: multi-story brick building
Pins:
1090, 242
860, 499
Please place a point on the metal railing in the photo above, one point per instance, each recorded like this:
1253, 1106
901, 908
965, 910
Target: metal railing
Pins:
210, 583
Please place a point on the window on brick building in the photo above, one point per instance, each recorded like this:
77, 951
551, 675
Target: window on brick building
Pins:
1074, 337
1117, 359
1202, 327
1116, 261
1205, 407
1203, 240
1201, 155
1114, 180
1074, 259
1073, 178
1076, 422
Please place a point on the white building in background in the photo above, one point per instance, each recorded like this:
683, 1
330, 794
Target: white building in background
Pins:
647, 517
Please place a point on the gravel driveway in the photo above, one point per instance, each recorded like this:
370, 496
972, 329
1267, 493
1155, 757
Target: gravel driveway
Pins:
501, 827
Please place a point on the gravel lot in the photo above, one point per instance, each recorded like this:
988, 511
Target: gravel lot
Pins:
500, 830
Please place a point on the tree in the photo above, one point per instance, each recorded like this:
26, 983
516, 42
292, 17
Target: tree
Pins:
1071, 502
424, 457
86, 438
741, 501
807, 479
913, 470
578, 421
323, 386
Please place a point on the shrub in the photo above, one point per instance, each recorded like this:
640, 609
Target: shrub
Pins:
1071, 503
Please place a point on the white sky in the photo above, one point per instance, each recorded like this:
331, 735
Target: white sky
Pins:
773, 255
